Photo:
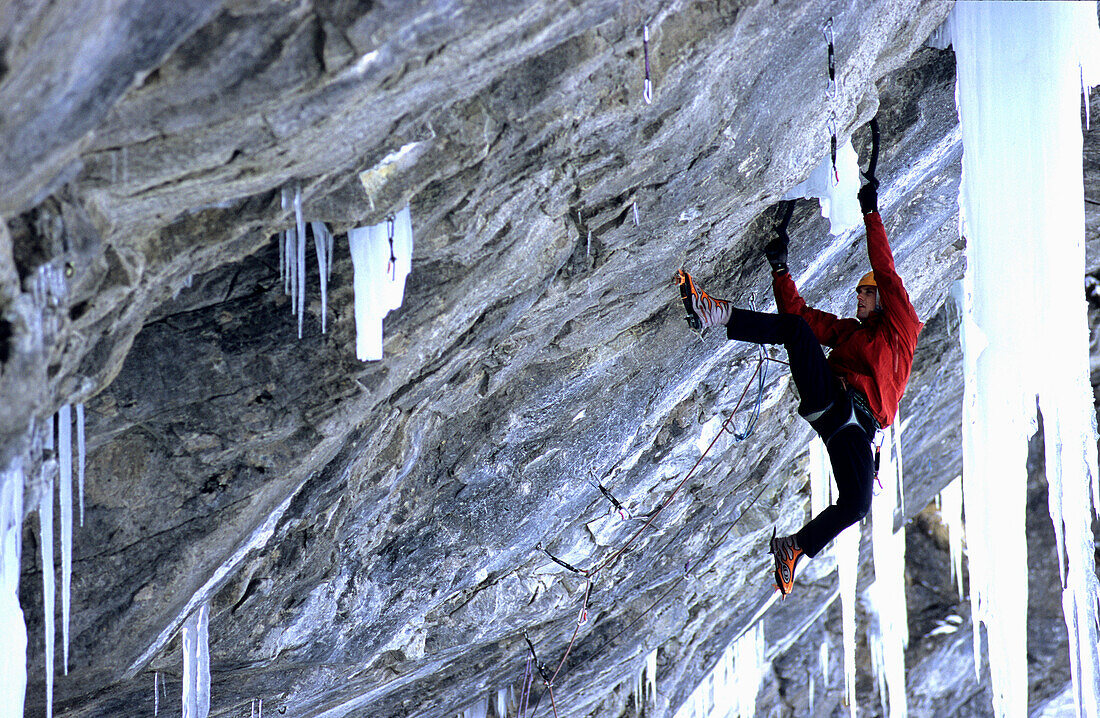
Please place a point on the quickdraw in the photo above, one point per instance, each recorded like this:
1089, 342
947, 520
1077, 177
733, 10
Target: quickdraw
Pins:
618, 507
563, 564
391, 267
647, 91
827, 33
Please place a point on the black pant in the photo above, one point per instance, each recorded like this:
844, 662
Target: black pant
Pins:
846, 431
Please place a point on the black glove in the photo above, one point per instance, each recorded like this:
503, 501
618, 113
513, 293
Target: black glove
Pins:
868, 196
776, 251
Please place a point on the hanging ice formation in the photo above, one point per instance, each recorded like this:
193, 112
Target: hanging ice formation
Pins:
645, 689
65, 503
477, 710
292, 261
504, 697
13, 629
80, 456
837, 197
1020, 72
381, 257
889, 631
951, 514
45, 532
731, 686
845, 547
196, 663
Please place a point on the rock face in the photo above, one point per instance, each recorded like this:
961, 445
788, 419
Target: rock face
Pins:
366, 533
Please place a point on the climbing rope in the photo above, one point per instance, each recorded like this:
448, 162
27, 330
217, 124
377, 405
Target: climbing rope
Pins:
589, 574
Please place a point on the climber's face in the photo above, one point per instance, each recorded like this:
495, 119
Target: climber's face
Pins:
866, 301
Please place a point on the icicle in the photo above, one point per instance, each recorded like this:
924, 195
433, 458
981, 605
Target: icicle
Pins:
13, 627
1023, 61
156, 695
45, 531
731, 686
889, 633
951, 513
321, 238
651, 675
301, 257
376, 293
196, 663
837, 199
477, 710
502, 702
65, 503
81, 456
290, 285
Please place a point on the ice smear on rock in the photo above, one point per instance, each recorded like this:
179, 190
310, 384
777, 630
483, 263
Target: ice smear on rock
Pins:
196, 663
379, 287
13, 628
1020, 67
837, 199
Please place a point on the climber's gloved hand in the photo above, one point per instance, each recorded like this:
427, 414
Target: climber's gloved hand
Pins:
776, 251
868, 196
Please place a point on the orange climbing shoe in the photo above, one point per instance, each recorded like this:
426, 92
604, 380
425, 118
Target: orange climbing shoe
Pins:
786, 553
703, 310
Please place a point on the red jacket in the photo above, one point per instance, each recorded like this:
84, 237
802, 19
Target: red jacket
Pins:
874, 356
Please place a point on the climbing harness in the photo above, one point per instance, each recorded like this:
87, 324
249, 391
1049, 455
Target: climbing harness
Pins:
647, 92
391, 267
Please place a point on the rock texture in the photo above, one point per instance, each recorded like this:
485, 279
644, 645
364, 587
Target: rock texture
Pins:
366, 533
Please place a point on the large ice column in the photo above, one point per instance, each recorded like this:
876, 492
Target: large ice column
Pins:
835, 192
889, 633
379, 284
1020, 68
13, 629
196, 663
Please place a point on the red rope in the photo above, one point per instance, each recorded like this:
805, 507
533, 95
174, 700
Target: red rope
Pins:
589, 574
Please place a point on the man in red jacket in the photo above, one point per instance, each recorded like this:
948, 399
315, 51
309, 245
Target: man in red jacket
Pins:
846, 397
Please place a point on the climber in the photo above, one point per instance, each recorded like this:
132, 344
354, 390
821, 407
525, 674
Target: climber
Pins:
845, 398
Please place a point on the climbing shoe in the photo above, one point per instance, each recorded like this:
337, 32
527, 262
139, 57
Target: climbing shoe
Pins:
703, 310
786, 553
